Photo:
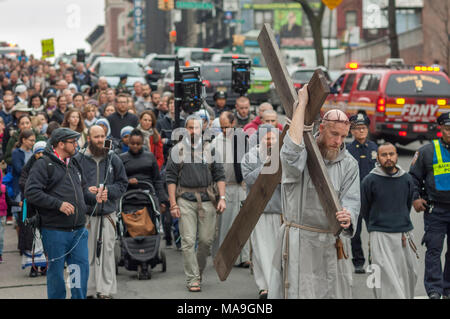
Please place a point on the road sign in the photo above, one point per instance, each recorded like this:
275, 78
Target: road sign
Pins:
48, 48
331, 4
230, 5
194, 5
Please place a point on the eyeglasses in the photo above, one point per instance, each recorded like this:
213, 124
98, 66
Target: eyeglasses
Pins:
71, 142
31, 140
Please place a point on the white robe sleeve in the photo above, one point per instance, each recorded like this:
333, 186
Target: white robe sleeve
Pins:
350, 196
293, 158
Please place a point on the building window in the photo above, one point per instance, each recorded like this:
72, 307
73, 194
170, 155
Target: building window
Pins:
262, 17
351, 19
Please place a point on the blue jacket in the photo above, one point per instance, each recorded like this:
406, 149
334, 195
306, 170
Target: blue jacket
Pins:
365, 154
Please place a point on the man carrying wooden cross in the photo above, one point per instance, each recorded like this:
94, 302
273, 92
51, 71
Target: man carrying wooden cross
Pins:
307, 263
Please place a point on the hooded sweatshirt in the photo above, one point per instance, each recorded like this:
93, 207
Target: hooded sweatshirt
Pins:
386, 201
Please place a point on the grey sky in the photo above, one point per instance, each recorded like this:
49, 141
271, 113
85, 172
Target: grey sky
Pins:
68, 22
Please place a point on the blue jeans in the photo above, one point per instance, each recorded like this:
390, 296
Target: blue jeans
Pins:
57, 244
437, 227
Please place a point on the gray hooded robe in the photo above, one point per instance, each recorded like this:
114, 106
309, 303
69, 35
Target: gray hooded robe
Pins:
234, 195
312, 269
397, 265
264, 237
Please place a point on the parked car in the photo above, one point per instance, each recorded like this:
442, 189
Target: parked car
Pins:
190, 55
157, 67
227, 57
260, 85
94, 55
217, 77
112, 68
300, 76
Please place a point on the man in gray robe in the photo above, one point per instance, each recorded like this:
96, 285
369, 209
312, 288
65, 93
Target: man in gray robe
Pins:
227, 152
306, 261
386, 200
264, 235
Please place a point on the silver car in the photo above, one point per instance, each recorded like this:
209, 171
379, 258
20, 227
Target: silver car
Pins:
113, 68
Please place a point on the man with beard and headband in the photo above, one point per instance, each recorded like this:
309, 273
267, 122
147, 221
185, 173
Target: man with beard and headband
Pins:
307, 266
264, 237
98, 163
57, 189
386, 200
190, 174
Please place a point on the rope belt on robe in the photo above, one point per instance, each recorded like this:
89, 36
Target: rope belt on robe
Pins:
339, 248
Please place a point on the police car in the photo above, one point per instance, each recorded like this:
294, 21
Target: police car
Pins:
402, 102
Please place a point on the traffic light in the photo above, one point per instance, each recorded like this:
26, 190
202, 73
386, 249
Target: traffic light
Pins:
173, 36
165, 5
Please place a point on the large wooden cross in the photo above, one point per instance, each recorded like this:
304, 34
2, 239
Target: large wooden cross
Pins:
261, 192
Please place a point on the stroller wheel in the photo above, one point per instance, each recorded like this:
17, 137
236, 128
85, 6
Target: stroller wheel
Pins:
163, 260
143, 273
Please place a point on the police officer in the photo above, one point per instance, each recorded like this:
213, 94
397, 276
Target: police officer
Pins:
430, 170
365, 152
220, 103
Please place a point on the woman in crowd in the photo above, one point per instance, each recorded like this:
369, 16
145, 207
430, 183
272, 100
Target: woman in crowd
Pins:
74, 120
23, 124
89, 115
58, 114
152, 139
36, 103
109, 109
51, 104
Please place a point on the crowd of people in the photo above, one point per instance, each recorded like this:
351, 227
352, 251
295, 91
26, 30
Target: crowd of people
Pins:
57, 168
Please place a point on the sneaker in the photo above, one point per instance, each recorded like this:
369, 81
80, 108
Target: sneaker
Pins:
434, 295
9, 220
33, 273
169, 245
360, 270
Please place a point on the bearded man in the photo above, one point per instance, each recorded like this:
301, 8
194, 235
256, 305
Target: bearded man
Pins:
103, 170
306, 261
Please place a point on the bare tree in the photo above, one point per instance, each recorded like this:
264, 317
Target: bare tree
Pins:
315, 20
440, 12
393, 38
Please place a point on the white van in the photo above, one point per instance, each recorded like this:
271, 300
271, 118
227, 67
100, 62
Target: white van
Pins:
197, 54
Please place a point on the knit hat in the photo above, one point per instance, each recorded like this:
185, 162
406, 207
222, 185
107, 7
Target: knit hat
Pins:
126, 131
39, 147
20, 88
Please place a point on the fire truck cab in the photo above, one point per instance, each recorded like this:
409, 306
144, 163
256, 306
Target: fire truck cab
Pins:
402, 102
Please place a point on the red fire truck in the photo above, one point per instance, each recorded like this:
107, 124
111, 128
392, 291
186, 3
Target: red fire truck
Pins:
402, 102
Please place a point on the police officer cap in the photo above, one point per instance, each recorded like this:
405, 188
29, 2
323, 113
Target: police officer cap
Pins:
444, 119
220, 95
359, 119
63, 134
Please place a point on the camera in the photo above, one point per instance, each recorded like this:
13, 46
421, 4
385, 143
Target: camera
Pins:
240, 75
188, 88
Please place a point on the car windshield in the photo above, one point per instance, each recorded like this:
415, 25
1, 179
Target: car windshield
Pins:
160, 64
216, 72
415, 84
201, 56
262, 74
119, 68
303, 76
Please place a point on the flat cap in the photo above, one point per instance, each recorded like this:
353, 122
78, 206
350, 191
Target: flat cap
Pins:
63, 134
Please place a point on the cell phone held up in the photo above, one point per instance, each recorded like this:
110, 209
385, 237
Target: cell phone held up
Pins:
107, 144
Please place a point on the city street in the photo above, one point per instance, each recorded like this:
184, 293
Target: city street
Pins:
15, 283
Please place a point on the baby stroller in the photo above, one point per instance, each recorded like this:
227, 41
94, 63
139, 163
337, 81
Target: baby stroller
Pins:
138, 252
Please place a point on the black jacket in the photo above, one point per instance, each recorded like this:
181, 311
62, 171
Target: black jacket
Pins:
118, 122
94, 174
48, 186
422, 172
57, 116
165, 128
143, 167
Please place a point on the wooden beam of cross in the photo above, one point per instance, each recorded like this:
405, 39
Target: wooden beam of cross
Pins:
262, 191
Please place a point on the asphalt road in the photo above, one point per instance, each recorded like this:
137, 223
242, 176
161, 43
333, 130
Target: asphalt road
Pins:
15, 283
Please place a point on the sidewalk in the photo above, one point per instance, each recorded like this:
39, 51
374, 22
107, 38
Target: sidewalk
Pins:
14, 281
